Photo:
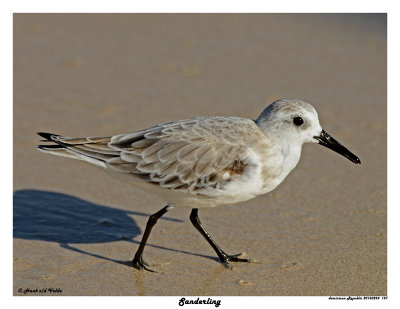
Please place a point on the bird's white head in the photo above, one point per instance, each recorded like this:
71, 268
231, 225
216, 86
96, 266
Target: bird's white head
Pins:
290, 120
293, 122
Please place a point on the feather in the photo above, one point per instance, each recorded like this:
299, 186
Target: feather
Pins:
189, 155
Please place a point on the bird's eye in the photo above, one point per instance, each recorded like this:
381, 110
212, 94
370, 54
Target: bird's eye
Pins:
298, 121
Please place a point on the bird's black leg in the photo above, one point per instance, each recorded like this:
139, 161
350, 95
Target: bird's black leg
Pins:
138, 259
224, 258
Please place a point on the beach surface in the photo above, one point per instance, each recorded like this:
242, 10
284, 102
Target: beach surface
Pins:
321, 232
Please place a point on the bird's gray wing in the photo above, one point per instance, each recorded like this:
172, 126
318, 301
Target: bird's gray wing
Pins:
191, 154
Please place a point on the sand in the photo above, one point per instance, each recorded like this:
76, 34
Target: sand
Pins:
321, 232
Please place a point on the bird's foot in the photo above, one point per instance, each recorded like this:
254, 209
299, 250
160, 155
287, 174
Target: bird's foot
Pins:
225, 259
139, 263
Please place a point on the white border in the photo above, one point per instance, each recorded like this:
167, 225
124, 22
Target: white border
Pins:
181, 6
9, 7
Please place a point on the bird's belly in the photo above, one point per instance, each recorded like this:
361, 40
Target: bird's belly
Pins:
207, 198
260, 178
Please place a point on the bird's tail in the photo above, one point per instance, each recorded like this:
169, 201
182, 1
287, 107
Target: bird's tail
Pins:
94, 150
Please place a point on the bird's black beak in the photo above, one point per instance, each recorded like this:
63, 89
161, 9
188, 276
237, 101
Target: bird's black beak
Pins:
328, 141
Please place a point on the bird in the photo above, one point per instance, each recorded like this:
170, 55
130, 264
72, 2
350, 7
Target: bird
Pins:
204, 162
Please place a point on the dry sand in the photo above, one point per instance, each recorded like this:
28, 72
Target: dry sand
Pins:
321, 232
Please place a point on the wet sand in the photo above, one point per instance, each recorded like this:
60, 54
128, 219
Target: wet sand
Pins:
321, 232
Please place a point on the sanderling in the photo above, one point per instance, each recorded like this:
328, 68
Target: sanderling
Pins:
205, 161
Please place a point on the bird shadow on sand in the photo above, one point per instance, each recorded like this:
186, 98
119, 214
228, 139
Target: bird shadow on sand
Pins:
66, 220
